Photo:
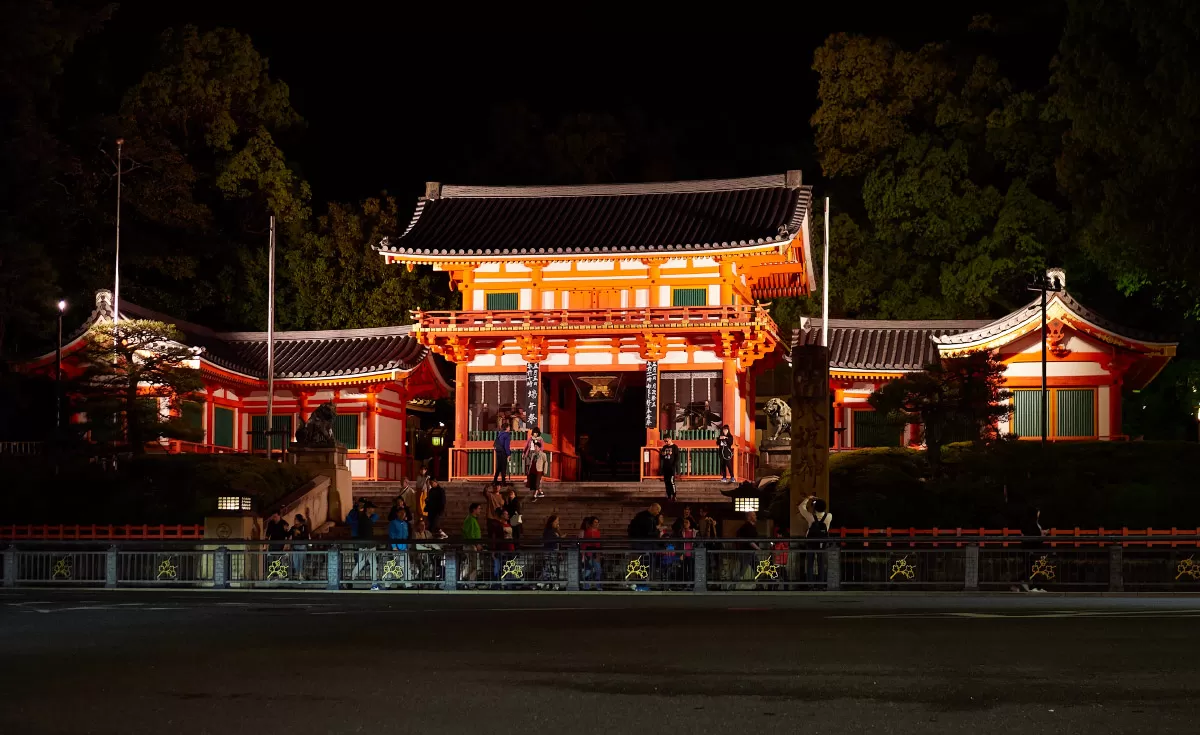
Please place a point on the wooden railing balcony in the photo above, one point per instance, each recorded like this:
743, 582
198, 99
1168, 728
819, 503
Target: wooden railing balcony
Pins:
669, 318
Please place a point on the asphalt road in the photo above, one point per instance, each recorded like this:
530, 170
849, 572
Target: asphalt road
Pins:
247, 662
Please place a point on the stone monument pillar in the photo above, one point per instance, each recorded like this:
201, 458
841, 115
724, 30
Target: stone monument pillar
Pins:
810, 427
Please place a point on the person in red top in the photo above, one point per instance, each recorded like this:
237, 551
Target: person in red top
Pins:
781, 555
591, 555
688, 531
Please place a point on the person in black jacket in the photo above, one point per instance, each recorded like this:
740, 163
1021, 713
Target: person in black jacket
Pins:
725, 450
645, 524
668, 462
435, 508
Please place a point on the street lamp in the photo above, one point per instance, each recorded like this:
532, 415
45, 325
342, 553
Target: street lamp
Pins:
1053, 281
62, 309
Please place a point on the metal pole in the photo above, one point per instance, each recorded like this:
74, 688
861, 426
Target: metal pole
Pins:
271, 338
825, 286
1045, 403
58, 376
117, 266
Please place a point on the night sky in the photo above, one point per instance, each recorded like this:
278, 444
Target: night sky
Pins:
395, 94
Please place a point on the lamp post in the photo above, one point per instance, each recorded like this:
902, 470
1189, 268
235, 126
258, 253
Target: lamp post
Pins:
1051, 282
62, 308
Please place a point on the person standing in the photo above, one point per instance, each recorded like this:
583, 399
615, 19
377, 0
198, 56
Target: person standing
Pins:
398, 531
435, 507
513, 506
366, 534
471, 534
668, 461
725, 450
749, 547
819, 520
423, 552
591, 552
535, 468
550, 549
300, 535
677, 527
502, 448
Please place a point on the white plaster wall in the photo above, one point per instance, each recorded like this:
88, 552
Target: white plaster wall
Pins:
674, 263
624, 298
593, 358
557, 358
629, 358
526, 298
705, 262
664, 295
643, 298
633, 265
547, 299
566, 299
478, 300
511, 360
705, 356
1104, 427
1054, 369
517, 268
557, 267
483, 361
714, 295
488, 268
390, 436
674, 357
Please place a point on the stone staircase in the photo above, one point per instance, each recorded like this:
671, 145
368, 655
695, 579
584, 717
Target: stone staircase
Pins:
615, 503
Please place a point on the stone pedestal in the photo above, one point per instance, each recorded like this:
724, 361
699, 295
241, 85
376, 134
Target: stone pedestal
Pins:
331, 462
774, 456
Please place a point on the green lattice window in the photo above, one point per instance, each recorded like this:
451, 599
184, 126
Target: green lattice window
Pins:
872, 429
1027, 413
1076, 412
503, 301
280, 424
192, 414
689, 297
345, 429
222, 428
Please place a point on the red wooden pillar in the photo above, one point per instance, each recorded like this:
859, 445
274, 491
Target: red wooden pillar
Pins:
461, 391
729, 403
209, 413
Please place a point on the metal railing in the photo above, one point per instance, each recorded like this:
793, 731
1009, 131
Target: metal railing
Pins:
691, 318
22, 449
693, 565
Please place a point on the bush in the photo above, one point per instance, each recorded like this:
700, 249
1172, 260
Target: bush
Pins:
1084, 484
180, 488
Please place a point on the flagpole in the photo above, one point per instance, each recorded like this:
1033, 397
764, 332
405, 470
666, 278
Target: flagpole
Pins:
271, 338
825, 285
117, 265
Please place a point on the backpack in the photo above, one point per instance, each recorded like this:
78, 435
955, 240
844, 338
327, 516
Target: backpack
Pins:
818, 529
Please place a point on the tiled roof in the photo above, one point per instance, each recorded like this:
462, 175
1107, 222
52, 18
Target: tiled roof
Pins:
612, 219
325, 354
298, 355
1034, 309
863, 344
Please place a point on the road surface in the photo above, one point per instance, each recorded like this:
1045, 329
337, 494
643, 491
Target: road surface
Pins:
295, 663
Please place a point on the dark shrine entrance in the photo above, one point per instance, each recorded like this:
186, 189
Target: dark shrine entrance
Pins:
610, 425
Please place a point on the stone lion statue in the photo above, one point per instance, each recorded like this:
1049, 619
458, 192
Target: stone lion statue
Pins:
780, 414
318, 430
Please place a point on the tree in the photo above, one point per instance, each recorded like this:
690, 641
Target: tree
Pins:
1127, 85
129, 367
958, 398
339, 282
948, 212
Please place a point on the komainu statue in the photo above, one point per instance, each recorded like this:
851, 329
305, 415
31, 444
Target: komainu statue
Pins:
317, 432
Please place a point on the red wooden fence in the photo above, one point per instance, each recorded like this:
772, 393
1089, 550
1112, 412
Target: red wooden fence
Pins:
98, 532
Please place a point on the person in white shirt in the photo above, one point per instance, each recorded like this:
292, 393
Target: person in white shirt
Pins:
819, 520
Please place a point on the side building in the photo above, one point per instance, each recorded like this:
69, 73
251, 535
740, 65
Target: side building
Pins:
1090, 360
381, 381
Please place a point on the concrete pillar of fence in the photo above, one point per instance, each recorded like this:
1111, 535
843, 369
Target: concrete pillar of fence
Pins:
700, 583
451, 581
573, 568
1116, 568
833, 568
221, 568
971, 568
10, 567
110, 568
333, 569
